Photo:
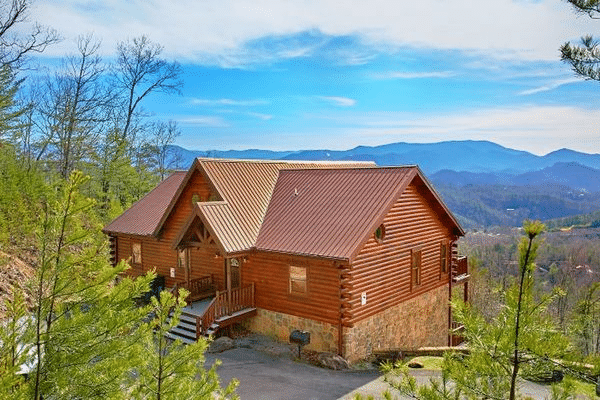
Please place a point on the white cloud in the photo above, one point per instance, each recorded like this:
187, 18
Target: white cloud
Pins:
537, 129
264, 117
228, 102
415, 75
549, 86
220, 29
203, 120
338, 101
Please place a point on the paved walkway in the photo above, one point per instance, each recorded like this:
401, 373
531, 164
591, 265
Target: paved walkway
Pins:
267, 371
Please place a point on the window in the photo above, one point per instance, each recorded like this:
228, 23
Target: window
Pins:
415, 268
298, 280
136, 253
443, 259
380, 233
182, 258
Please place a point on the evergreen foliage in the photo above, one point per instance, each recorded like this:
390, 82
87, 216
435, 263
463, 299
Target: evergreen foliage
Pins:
172, 370
520, 341
585, 57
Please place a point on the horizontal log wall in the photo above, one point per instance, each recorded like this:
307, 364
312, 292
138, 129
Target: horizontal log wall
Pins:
382, 270
159, 255
270, 274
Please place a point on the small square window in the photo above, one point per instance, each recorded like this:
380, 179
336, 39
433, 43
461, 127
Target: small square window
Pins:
298, 280
136, 253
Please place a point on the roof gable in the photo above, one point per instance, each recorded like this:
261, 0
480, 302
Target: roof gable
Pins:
244, 188
145, 215
332, 213
328, 213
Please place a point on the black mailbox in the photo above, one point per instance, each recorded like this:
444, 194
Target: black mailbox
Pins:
301, 338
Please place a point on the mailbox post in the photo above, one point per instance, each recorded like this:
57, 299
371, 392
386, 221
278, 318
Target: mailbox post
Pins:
301, 338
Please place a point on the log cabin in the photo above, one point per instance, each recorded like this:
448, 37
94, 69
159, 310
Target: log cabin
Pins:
361, 257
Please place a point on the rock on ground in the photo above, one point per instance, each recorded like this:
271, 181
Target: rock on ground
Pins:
332, 361
221, 344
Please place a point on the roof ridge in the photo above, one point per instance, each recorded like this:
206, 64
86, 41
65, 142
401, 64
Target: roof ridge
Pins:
373, 168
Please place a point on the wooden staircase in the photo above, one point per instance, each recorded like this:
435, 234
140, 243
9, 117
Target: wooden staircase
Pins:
207, 317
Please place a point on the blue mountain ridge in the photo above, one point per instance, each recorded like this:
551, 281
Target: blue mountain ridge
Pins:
464, 156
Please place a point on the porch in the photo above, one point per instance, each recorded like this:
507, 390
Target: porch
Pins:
209, 310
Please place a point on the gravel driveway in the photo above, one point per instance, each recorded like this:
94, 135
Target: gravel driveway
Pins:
267, 371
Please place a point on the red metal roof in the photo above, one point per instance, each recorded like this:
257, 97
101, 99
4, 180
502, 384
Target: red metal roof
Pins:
329, 213
143, 217
246, 187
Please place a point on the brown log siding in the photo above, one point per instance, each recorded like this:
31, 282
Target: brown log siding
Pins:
270, 274
159, 255
382, 270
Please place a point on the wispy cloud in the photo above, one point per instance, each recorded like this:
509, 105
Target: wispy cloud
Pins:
204, 121
264, 117
228, 102
538, 129
338, 101
414, 74
549, 86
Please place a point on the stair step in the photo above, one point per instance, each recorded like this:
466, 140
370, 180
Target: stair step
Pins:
183, 339
177, 331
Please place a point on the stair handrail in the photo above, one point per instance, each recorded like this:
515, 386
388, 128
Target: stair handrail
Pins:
225, 303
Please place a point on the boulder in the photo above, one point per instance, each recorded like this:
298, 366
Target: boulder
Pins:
221, 344
415, 364
333, 361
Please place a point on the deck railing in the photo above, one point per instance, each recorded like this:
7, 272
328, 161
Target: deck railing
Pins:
225, 303
199, 288
462, 267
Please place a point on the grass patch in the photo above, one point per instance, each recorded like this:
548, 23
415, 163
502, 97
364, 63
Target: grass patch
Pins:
584, 388
429, 362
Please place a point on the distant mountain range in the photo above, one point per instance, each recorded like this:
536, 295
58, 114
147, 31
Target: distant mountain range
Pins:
467, 156
482, 182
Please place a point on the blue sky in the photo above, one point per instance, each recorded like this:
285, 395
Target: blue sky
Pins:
288, 75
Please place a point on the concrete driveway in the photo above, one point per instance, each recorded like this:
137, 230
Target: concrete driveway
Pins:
267, 371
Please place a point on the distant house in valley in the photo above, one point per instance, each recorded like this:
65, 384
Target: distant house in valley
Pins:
362, 257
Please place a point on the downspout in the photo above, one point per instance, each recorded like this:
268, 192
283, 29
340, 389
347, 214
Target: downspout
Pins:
450, 269
341, 315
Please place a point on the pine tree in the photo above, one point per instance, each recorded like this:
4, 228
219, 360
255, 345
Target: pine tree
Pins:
170, 370
521, 341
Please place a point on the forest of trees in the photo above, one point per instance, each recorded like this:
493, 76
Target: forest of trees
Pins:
76, 149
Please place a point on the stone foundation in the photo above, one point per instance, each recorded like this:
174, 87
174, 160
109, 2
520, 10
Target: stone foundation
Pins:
420, 321
323, 336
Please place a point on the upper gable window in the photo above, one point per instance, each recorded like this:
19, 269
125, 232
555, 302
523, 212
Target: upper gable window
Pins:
136, 253
379, 233
298, 284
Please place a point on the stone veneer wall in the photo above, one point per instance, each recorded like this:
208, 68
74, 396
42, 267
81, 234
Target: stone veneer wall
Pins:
323, 336
420, 321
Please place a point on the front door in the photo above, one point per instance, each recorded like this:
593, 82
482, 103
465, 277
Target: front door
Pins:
232, 273
183, 261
